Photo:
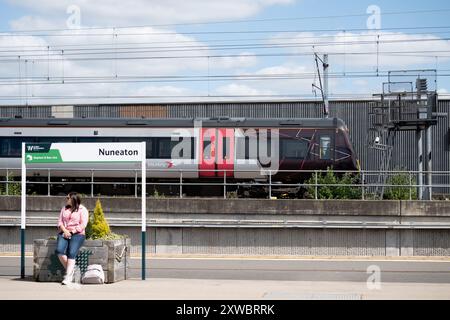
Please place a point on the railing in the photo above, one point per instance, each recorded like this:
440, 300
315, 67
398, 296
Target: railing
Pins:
367, 181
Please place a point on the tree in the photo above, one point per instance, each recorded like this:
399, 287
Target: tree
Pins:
97, 227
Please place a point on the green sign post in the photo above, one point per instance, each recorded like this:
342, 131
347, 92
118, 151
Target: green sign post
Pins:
39, 153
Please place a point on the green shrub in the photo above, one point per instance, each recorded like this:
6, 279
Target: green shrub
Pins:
158, 195
97, 227
402, 180
14, 188
328, 191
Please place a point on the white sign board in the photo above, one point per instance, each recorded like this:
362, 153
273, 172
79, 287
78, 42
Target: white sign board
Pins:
83, 152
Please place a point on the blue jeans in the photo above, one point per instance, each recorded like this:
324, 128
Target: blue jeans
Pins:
72, 246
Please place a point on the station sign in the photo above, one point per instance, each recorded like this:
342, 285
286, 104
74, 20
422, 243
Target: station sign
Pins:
83, 152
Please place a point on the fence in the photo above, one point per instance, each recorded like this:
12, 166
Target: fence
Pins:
364, 184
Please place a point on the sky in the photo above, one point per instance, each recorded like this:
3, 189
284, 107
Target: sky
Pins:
79, 51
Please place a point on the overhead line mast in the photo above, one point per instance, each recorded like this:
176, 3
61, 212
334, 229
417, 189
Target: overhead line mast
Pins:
323, 89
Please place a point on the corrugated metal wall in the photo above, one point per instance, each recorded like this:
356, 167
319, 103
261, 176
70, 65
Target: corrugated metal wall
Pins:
25, 111
270, 241
354, 113
303, 242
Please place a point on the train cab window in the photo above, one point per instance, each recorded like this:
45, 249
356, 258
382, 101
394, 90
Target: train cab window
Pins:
325, 147
12, 146
294, 148
148, 144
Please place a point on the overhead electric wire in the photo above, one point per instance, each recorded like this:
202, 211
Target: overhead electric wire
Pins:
175, 96
85, 53
59, 47
205, 98
77, 33
432, 53
442, 10
218, 78
120, 50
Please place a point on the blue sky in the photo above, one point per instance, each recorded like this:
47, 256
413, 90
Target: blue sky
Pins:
256, 60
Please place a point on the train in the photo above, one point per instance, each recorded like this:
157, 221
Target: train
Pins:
243, 151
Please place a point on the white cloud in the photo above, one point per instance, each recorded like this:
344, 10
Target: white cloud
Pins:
283, 69
350, 45
153, 41
153, 44
32, 23
288, 78
162, 91
242, 60
235, 89
149, 12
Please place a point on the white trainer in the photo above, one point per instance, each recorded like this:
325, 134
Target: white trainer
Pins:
67, 279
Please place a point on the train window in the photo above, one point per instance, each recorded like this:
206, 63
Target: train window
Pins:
248, 147
251, 147
267, 143
193, 145
164, 148
185, 146
207, 148
166, 145
294, 148
240, 148
12, 146
226, 148
325, 147
148, 144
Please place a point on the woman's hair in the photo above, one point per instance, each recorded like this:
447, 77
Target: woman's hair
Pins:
75, 200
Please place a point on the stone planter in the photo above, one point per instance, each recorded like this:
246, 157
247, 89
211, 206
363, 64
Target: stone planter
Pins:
113, 255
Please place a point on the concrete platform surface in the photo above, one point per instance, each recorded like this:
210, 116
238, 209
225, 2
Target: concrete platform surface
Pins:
203, 289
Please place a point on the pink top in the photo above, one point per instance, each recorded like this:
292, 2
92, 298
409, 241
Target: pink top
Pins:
76, 221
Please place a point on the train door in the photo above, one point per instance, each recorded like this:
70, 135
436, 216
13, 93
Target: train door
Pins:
216, 152
225, 152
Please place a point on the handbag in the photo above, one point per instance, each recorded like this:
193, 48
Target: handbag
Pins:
93, 275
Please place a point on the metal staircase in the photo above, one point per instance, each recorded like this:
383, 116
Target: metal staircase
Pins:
385, 144
397, 110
